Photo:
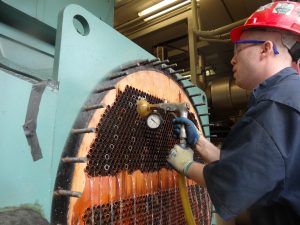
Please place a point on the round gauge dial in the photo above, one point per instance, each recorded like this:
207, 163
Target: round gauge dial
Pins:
154, 120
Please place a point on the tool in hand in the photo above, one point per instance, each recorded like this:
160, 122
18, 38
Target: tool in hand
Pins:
154, 120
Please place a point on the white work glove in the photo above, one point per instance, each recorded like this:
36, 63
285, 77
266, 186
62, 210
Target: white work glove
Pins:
181, 158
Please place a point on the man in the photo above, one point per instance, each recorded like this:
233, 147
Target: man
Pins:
258, 167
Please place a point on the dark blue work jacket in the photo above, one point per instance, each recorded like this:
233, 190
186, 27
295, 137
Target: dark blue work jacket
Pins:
259, 166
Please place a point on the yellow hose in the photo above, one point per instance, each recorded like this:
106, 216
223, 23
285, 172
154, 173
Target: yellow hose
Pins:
185, 201
144, 108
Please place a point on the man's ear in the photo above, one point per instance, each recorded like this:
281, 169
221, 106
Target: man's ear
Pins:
267, 47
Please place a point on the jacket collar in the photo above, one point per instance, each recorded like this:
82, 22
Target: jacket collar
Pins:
270, 82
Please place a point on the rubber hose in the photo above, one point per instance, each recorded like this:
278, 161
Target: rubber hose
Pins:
185, 201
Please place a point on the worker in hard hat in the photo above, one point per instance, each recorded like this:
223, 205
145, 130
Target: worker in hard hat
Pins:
258, 166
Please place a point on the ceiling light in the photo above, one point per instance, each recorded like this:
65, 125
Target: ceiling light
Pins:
156, 7
167, 10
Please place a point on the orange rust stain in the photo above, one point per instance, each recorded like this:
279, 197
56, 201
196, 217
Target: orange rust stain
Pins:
103, 190
110, 189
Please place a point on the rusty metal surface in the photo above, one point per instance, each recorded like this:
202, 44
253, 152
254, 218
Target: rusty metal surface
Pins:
124, 142
159, 208
124, 177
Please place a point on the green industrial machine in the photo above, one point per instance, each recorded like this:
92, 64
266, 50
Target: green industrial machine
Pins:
44, 87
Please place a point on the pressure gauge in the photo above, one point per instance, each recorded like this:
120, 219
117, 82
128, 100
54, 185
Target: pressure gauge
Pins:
154, 120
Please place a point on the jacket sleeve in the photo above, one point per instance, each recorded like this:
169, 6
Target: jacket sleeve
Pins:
250, 171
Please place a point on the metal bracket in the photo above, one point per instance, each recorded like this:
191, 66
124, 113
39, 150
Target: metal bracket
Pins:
31, 119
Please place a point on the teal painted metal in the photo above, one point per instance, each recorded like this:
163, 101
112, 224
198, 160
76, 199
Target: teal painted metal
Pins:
26, 40
80, 63
22, 180
47, 11
79, 70
199, 100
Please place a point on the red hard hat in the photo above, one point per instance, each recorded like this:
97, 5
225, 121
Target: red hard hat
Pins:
281, 15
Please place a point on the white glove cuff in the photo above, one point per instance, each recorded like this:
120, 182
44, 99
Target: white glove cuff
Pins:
186, 167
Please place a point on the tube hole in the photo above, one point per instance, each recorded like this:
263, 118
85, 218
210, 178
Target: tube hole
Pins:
106, 167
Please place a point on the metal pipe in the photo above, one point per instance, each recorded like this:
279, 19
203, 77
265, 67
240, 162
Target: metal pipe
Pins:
74, 159
84, 130
215, 40
104, 89
117, 75
168, 66
196, 25
68, 193
220, 30
148, 61
177, 71
193, 52
98, 106
160, 62
130, 66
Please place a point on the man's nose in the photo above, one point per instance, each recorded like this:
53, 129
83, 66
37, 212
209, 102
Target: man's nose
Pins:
233, 60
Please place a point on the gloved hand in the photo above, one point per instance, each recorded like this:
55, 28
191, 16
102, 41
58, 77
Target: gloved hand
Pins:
181, 159
191, 131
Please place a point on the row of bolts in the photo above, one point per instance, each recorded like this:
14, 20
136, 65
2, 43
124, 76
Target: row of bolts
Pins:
155, 62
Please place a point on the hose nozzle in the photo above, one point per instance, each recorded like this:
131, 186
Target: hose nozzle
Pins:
144, 108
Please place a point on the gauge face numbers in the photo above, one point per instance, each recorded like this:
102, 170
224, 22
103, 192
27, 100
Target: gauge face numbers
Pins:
154, 121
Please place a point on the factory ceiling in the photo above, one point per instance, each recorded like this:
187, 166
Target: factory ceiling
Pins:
171, 30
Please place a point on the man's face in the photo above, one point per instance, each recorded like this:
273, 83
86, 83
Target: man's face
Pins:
245, 63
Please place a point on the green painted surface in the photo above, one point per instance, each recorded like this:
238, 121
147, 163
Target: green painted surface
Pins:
26, 39
199, 99
22, 180
101, 51
80, 63
48, 10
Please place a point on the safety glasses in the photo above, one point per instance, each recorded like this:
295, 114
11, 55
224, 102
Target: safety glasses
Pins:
236, 50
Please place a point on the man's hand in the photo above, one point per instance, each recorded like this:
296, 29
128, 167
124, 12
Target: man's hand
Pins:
181, 158
191, 131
